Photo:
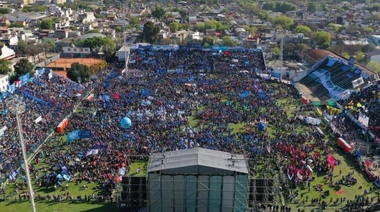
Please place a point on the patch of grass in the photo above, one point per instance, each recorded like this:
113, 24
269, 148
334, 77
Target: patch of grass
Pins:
143, 165
50, 206
193, 121
236, 127
349, 193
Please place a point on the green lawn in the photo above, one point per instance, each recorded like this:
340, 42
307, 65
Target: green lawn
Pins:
45, 206
347, 192
143, 165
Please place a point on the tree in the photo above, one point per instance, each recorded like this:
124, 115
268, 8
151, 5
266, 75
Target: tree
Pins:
312, 7
159, 13
200, 27
303, 29
46, 24
282, 21
23, 67
212, 24
275, 50
135, 22
375, 17
263, 15
79, 73
229, 41
251, 29
335, 27
209, 40
322, 38
5, 67
368, 30
302, 47
97, 44
373, 66
93, 31
174, 26
360, 57
22, 45
345, 54
4, 11
150, 32
369, 47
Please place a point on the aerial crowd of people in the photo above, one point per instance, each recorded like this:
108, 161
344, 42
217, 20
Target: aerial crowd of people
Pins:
213, 102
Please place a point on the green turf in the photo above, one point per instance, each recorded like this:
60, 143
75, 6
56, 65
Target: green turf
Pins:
50, 206
143, 165
349, 192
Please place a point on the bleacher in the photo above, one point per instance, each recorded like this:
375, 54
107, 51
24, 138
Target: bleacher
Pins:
331, 77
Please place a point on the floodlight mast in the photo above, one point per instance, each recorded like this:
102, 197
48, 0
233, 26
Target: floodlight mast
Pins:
17, 106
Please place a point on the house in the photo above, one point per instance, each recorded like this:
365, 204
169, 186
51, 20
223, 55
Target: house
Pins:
62, 33
59, 2
239, 30
4, 82
196, 36
210, 32
27, 17
375, 39
9, 40
23, 2
4, 21
74, 34
179, 36
7, 53
110, 33
86, 17
373, 56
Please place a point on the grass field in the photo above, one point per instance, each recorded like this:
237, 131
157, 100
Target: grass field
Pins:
12, 206
143, 165
346, 192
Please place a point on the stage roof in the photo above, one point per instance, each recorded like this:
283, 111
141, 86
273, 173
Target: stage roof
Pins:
197, 161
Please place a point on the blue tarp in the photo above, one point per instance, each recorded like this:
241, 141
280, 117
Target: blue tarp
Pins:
244, 94
73, 135
145, 92
85, 134
331, 62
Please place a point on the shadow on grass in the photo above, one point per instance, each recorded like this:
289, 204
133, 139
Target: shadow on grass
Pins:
108, 207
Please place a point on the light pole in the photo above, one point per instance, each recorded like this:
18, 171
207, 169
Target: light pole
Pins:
281, 55
17, 106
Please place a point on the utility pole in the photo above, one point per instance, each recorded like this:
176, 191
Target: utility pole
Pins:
281, 55
17, 106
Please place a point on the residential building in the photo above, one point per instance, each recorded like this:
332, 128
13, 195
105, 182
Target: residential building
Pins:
23, 2
27, 17
59, 2
62, 33
375, 39
7, 53
4, 82
373, 56
86, 17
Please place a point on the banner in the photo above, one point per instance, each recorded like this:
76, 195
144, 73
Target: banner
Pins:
73, 135
38, 119
85, 134
92, 152
363, 119
2, 130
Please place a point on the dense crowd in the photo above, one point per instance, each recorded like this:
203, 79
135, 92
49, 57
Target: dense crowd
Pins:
47, 99
161, 107
197, 60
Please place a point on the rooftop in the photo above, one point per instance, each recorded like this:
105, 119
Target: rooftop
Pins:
197, 161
